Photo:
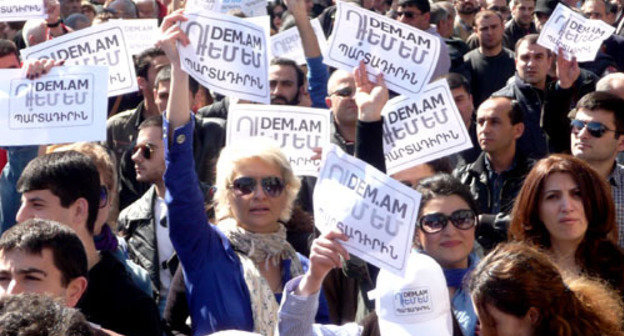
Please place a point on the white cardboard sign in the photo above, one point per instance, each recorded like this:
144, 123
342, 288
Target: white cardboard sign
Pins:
405, 55
376, 212
140, 34
296, 130
287, 44
574, 34
424, 128
250, 8
227, 55
103, 44
21, 10
66, 105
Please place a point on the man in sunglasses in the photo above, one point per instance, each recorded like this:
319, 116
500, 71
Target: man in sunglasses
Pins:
144, 223
496, 176
597, 137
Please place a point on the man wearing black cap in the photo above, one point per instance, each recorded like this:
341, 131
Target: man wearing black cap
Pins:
543, 10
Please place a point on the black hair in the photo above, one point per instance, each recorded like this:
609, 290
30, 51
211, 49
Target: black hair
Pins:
438, 13
7, 48
288, 62
516, 114
602, 100
530, 39
444, 185
163, 75
153, 121
34, 235
144, 60
69, 175
422, 5
456, 81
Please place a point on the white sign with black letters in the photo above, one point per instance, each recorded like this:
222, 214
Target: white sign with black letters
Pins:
227, 55
103, 44
376, 212
140, 34
405, 55
21, 10
287, 44
66, 105
574, 34
424, 128
296, 130
250, 8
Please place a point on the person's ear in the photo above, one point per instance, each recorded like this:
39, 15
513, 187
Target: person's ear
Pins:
75, 289
533, 315
328, 102
142, 82
518, 130
80, 211
620, 139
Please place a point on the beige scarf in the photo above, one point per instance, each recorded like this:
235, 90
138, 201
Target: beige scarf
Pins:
253, 249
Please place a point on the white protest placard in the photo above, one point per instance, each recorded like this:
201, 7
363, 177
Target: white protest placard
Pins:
574, 34
227, 55
250, 8
423, 128
66, 105
296, 130
102, 44
376, 212
405, 55
21, 10
140, 34
287, 44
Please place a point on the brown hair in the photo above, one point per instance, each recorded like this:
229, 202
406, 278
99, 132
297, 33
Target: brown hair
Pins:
516, 277
597, 253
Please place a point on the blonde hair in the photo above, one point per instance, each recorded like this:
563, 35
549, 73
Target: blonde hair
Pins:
232, 156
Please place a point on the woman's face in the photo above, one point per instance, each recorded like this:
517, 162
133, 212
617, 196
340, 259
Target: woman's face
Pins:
451, 246
561, 209
257, 211
504, 324
278, 11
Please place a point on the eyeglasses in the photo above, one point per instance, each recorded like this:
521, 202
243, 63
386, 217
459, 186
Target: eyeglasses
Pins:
594, 128
272, 185
501, 9
345, 92
103, 196
435, 222
278, 14
408, 15
146, 150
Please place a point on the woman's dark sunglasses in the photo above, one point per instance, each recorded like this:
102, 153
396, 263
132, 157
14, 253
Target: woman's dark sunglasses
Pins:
103, 196
272, 185
436, 222
146, 150
594, 128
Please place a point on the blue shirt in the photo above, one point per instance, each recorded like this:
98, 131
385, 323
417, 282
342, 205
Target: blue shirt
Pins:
17, 159
217, 295
462, 303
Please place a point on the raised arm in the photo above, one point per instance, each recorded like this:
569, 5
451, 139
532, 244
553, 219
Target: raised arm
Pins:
308, 38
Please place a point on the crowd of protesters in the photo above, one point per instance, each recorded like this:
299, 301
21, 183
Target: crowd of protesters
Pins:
162, 229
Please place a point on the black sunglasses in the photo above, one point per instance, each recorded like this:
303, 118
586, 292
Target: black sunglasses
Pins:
103, 196
344, 92
594, 128
501, 9
407, 15
146, 150
272, 185
435, 222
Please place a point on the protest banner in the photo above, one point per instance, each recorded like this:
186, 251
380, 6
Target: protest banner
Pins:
405, 55
227, 54
66, 105
102, 44
287, 44
250, 8
140, 34
21, 10
296, 130
376, 212
423, 128
574, 34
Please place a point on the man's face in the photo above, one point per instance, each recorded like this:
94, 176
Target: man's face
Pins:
161, 95
44, 204
595, 10
412, 16
283, 83
490, 31
499, 6
590, 148
69, 7
23, 272
532, 63
147, 10
9, 61
540, 20
523, 11
495, 132
152, 169
340, 100
466, 6
464, 103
